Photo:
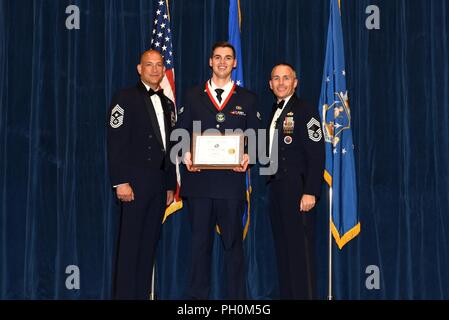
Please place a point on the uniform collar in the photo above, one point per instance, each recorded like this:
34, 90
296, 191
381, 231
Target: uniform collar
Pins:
227, 88
148, 87
286, 100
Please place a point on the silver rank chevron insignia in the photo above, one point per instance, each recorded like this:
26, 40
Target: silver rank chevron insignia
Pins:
117, 115
314, 130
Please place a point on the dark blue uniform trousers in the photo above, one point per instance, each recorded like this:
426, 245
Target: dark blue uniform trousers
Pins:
139, 233
293, 234
205, 213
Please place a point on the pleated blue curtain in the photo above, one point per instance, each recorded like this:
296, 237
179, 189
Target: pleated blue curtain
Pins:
56, 204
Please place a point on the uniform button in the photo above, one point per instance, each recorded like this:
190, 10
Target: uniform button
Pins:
282, 149
162, 149
218, 126
285, 170
149, 148
283, 158
150, 136
149, 159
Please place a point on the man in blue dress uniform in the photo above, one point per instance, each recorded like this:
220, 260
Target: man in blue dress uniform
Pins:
296, 185
217, 196
140, 122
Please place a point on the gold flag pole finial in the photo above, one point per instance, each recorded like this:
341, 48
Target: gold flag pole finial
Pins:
240, 17
168, 10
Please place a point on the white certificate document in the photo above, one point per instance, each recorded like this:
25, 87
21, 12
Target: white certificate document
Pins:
217, 150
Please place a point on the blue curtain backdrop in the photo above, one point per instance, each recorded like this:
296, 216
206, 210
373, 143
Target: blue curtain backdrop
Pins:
56, 204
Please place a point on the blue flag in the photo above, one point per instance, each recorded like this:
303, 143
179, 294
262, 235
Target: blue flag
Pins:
237, 76
336, 117
234, 39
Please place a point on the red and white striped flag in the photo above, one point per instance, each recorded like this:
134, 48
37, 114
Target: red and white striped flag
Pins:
161, 40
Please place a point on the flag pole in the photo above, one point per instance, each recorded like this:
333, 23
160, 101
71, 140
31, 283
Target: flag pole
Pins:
153, 293
329, 297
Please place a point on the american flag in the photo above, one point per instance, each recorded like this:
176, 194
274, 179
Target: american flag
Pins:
161, 40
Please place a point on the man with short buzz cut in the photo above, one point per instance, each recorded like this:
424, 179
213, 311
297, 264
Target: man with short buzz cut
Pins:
216, 197
140, 121
294, 188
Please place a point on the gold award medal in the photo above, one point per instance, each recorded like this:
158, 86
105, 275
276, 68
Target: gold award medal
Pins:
220, 117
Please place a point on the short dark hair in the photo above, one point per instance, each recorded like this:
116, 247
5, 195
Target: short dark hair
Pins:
285, 64
222, 44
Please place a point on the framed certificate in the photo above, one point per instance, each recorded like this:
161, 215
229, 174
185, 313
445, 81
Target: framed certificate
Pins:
215, 151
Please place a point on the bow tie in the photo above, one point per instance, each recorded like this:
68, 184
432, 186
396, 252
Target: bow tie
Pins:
159, 92
280, 105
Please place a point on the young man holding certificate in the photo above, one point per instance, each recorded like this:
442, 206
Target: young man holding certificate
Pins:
215, 193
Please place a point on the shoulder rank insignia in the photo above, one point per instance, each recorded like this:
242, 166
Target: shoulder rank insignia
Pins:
181, 110
290, 114
117, 116
314, 130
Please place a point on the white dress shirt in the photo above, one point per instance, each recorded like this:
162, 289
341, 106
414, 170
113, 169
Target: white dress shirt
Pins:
227, 89
276, 116
157, 104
